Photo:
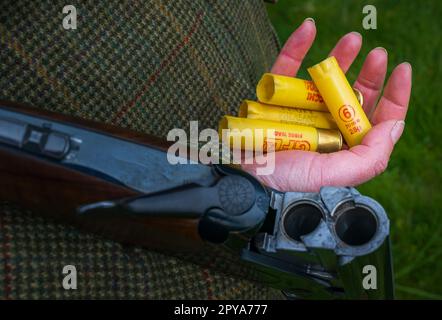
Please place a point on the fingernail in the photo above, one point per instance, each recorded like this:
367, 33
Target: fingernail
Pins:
397, 130
408, 64
381, 48
356, 34
310, 19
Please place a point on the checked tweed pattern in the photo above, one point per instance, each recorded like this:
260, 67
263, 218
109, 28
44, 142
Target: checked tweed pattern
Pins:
146, 65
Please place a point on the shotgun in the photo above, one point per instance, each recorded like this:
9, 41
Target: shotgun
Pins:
119, 184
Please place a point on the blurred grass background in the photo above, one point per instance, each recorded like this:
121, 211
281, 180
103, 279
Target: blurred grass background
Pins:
410, 189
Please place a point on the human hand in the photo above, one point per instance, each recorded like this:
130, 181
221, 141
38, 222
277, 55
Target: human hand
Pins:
306, 171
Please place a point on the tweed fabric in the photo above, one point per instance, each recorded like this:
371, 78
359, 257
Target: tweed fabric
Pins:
146, 65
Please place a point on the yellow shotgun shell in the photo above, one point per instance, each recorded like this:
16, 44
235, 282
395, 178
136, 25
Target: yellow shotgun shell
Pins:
287, 136
341, 100
256, 110
289, 92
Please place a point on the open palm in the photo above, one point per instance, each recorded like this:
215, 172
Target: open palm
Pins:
307, 171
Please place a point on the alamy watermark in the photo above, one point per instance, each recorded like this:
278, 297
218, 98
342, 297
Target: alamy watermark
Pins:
370, 21
370, 281
70, 279
235, 146
70, 18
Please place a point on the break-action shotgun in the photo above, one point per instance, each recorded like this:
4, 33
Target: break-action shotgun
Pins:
120, 184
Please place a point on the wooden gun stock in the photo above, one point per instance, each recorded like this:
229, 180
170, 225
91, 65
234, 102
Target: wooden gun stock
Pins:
54, 190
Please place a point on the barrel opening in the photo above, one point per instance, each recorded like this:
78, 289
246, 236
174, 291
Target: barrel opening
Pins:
356, 225
301, 219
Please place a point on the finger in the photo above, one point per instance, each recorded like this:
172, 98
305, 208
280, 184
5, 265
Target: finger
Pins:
394, 103
371, 78
347, 49
290, 58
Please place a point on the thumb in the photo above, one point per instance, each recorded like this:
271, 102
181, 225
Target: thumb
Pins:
373, 154
381, 139
362, 162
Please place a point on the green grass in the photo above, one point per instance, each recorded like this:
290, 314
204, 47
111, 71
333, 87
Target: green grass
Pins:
410, 189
